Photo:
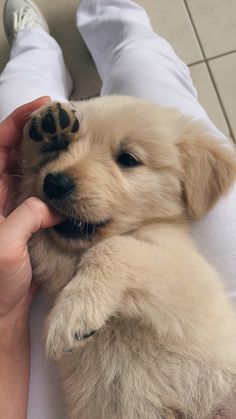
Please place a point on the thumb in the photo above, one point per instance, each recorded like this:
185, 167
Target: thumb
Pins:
29, 217
11, 127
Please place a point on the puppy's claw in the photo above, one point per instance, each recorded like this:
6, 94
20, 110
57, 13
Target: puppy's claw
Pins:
69, 351
85, 336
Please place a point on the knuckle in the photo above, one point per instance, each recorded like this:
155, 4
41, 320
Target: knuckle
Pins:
36, 210
34, 205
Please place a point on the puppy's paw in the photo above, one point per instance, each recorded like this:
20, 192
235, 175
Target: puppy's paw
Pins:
52, 128
72, 322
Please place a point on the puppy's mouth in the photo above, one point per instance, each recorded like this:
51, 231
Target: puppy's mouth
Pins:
73, 228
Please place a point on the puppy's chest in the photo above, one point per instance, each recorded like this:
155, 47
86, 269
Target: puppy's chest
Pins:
50, 265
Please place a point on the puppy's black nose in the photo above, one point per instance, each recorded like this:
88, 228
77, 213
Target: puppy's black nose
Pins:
58, 185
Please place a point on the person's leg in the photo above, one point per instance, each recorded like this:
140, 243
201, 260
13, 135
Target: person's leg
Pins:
35, 68
133, 60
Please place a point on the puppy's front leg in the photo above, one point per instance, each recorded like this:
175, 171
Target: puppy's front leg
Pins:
90, 298
98, 291
81, 309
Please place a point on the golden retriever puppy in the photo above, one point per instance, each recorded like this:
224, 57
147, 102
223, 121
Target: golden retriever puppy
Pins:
140, 323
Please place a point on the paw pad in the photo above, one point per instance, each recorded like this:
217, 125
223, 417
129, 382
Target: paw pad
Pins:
33, 132
64, 118
49, 124
55, 127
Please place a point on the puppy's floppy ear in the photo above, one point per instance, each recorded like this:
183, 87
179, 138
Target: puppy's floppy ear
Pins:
209, 172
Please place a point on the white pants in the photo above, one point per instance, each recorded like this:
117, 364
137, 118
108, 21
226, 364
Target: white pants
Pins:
131, 59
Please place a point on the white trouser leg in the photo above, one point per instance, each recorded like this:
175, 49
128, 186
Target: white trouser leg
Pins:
35, 68
132, 59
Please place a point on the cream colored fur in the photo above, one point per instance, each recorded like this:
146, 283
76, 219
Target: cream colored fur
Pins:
165, 345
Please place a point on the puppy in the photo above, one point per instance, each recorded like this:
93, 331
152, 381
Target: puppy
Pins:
140, 324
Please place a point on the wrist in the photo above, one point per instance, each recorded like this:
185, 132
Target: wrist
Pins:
17, 309
14, 328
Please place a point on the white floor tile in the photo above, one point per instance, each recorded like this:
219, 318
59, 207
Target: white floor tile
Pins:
224, 72
215, 21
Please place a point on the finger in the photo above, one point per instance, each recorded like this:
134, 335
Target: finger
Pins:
12, 163
9, 194
11, 128
25, 220
9, 160
4, 153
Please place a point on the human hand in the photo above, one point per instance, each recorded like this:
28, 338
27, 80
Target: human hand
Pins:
17, 227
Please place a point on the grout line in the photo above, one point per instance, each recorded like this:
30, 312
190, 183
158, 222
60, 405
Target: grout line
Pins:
214, 57
224, 54
196, 63
209, 70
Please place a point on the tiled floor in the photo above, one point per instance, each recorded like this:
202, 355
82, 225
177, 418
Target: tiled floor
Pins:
203, 33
